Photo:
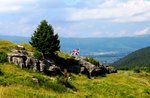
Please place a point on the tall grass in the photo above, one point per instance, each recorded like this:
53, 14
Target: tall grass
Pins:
15, 82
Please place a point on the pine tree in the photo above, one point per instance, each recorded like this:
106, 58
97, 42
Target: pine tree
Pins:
44, 39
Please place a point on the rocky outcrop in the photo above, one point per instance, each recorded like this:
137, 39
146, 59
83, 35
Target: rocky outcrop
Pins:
23, 61
77, 65
90, 69
33, 63
18, 59
93, 70
87, 66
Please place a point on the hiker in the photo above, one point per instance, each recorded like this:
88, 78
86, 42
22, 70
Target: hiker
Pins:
75, 52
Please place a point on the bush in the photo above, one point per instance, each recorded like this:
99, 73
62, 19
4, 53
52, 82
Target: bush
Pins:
123, 68
1, 73
136, 70
4, 48
38, 55
146, 69
3, 57
92, 60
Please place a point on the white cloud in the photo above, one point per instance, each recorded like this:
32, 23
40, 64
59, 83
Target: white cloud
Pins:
115, 10
143, 31
87, 18
13, 5
63, 32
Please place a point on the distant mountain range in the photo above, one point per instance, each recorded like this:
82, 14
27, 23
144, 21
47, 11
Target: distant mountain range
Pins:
106, 50
139, 58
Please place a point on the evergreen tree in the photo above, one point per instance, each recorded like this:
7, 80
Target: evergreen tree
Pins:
44, 39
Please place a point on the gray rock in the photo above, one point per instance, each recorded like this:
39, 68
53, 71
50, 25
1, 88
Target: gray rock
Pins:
89, 67
17, 59
21, 63
33, 64
42, 66
35, 80
30, 63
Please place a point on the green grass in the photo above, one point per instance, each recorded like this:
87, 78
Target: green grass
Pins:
15, 82
6, 45
64, 55
27, 46
92, 61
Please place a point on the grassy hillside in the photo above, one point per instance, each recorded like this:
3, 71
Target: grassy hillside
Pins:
6, 45
15, 82
139, 58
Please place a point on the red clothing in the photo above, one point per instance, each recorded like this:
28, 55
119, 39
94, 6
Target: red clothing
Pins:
75, 52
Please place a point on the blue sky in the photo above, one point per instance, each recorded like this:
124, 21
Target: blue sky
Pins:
76, 18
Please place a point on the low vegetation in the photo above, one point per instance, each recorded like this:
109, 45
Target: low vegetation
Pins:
92, 61
38, 55
15, 82
27, 46
3, 57
4, 43
21, 83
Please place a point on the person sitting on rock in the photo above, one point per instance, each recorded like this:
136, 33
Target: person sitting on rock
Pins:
75, 52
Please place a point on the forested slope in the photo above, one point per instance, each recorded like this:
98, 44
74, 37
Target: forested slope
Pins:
139, 58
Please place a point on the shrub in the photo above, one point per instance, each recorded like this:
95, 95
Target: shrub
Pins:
38, 55
1, 73
3, 57
146, 69
6, 49
92, 60
124, 68
136, 70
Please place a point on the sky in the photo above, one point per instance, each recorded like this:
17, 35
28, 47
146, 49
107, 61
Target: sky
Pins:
76, 18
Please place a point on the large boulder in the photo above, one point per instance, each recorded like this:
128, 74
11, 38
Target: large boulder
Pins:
87, 65
46, 65
21, 63
42, 65
53, 71
74, 69
99, 71
33, 64
30, 62
36, 65
49, 67
18, 59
